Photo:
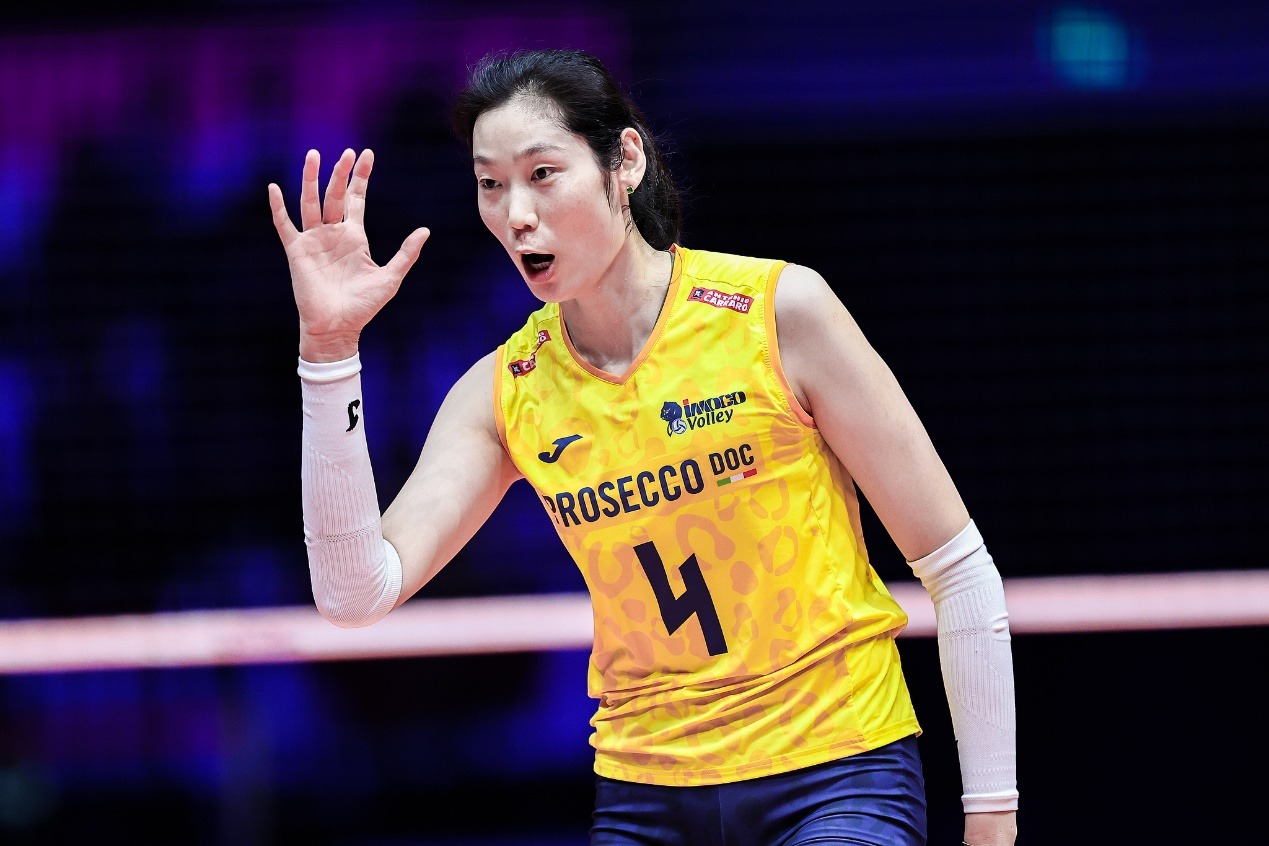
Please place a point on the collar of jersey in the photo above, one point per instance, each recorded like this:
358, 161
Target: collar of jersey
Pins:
666, 307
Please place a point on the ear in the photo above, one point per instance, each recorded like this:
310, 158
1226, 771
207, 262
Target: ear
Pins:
634, 162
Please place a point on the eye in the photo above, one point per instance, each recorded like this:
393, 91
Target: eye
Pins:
542, 173
486, 183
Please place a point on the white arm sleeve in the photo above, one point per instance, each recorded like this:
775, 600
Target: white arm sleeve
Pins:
355, 572
974, 652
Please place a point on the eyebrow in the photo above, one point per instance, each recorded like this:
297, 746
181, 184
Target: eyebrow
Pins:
525, 153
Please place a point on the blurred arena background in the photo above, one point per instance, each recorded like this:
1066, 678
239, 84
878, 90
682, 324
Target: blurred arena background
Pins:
1051, 218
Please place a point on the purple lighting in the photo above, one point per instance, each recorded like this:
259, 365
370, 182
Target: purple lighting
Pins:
224, 101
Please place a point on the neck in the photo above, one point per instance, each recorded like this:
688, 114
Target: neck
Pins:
610, 325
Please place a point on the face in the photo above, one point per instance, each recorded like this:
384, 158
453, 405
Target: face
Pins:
541, 193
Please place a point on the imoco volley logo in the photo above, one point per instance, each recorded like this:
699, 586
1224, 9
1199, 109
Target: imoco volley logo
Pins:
688, 416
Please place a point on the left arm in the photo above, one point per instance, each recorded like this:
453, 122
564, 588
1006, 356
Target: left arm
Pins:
871, 427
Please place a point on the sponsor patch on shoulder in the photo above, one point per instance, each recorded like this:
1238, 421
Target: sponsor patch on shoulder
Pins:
528, 365
735, 302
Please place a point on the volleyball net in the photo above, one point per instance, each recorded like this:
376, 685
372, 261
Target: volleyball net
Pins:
424, 627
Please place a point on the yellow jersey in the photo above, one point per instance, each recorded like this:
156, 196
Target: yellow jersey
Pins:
739, 628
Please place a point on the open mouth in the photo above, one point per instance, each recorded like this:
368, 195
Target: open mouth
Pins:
536, 264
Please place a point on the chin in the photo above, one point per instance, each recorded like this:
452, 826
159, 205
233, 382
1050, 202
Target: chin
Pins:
544, 285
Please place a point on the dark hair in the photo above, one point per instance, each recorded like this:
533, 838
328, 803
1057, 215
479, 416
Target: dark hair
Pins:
590, 104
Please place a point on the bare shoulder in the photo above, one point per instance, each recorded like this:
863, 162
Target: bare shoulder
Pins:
802, 293
483, 368
809, 313
806, 306
822, 349
482, 371
474, 390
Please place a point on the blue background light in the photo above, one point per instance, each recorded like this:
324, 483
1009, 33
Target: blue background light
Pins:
1089, 48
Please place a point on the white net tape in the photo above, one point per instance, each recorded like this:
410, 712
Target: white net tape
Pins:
563, 621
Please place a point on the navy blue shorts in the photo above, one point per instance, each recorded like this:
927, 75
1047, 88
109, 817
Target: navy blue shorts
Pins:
875, 798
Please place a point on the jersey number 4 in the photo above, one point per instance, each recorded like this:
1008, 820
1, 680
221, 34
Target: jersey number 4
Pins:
675, 610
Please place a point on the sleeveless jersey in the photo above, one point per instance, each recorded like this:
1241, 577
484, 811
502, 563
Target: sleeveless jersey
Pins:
739, 628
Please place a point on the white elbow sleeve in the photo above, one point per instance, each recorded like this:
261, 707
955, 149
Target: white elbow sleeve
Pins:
974, 651
355, 572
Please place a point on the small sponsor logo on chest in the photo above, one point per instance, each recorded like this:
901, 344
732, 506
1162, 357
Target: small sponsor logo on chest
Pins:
719, 299
690, 415
522, 366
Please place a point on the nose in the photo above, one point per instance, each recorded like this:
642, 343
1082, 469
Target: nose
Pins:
522, 212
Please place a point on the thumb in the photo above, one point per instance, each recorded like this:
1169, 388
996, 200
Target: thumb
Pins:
400, 264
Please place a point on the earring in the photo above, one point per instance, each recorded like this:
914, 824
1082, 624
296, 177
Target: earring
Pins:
629, 189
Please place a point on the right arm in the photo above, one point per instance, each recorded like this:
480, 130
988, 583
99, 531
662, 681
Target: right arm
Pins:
363, 565
461, 475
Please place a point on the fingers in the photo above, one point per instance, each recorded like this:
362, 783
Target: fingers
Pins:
281, 220
310, 207
345, 199
400, 264
333, 204
355, 208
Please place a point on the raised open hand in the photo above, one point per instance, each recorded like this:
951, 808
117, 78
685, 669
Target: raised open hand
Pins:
338, 287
